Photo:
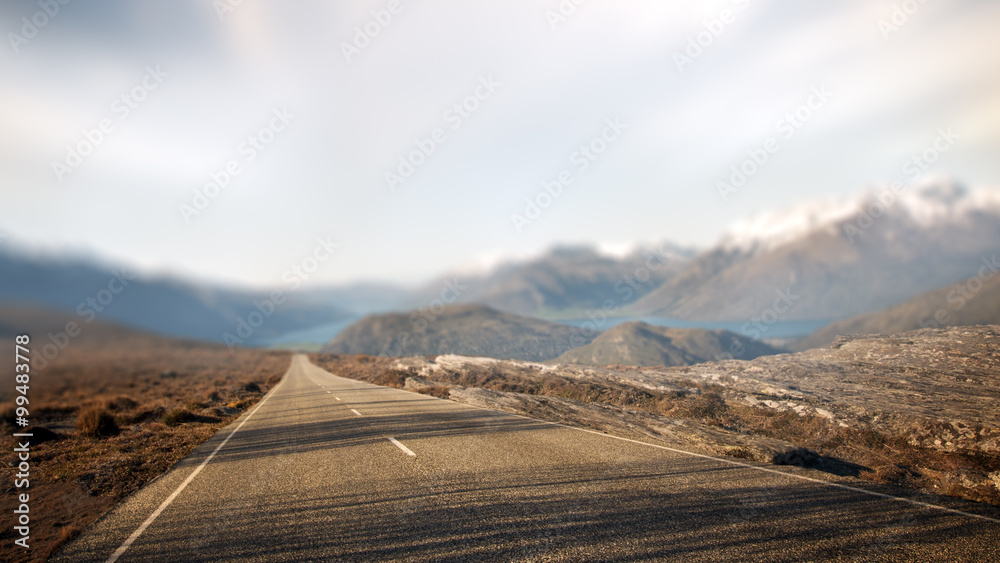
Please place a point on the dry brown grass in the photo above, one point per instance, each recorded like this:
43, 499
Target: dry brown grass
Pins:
439, 391
134, 385
96, 421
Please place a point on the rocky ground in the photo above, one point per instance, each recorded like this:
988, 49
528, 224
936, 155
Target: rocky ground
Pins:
919, 409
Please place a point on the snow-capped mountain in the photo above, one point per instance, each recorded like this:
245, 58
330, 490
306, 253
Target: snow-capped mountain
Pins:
837, 258
927, 204
768, 231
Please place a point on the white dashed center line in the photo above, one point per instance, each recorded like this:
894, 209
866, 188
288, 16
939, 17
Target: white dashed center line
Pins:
355, 412
406, 450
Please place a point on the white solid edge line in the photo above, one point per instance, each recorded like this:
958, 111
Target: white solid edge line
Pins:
794, 476
163, 506
757, 468
728, 461
355, 412
399, 445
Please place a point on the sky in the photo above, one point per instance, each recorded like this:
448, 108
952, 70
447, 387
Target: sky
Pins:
526, 124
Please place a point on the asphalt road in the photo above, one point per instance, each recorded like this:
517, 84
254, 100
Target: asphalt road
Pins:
330, 469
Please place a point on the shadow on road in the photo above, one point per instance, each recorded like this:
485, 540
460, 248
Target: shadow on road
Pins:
648, 506
565, 514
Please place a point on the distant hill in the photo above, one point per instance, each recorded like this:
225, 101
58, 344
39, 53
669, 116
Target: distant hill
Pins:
951, 307
640, 344
933, 234
470, 330
52, 333
89, 290
16, 318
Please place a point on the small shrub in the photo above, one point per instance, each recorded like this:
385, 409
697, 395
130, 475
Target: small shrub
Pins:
240, 405
886, 473
393, 377
706, 406
177, 417
740, 452
252, 387
97, 422
439, 391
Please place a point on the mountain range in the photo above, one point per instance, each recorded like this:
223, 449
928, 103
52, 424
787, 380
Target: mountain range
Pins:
836, 259
566, 281
823, 261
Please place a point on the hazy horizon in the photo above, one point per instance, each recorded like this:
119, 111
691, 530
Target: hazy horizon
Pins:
485, 264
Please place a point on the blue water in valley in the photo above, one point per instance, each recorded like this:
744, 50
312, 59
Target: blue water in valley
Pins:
780, 330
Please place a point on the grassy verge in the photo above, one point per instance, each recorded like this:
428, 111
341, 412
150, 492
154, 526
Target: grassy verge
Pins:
118, 417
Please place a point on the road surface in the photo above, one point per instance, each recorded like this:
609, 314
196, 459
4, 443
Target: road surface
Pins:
329, 469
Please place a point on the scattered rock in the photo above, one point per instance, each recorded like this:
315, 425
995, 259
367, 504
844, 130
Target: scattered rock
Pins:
417, 384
